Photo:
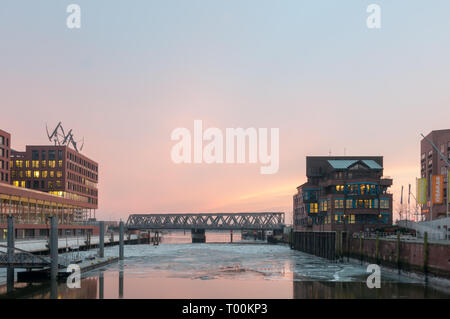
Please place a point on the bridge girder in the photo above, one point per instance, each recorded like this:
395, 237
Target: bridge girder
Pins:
209, 221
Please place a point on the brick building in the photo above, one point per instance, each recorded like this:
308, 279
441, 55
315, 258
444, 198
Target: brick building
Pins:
57, 170
5, 149
46, 181
343, 193
431, 164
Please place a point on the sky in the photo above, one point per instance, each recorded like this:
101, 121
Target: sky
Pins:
136, 70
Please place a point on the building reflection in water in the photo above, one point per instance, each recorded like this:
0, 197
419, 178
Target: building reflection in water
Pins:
359, 290
121, 281
101, 285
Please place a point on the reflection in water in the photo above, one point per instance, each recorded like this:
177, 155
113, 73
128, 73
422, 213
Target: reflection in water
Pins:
121, 281
101, 287
358, 290
179, 269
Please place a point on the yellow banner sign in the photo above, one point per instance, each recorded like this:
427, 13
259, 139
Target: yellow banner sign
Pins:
437, 189
421, 189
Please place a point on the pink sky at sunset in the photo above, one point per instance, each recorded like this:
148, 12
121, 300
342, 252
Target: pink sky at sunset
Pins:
327, 82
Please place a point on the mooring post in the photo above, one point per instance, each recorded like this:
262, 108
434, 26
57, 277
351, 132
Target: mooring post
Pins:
53, 247
10, 239
291, 239
398, 252
102, 239
231, 235
338, 244
10, 252
377, 247
348, 245
121, 240
361, 247
425, 253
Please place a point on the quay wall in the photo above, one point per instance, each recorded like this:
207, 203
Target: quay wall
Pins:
419, 256
410, 256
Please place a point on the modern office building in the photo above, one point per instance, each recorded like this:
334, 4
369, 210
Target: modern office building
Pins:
47, 181
343, 193
5, 149
431, 164
57, 170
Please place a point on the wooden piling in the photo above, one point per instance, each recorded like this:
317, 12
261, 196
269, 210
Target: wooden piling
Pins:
377, 247
398, 252
425, 253
361, 256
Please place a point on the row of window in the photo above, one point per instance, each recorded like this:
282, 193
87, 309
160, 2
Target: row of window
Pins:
3, 140
82, 171
4, 153
382, 218
4, 177
35, 164
81, 161
324, 205
81, 180
38, 184
43, 155
36, 174
358, 189
75, 197
81, 189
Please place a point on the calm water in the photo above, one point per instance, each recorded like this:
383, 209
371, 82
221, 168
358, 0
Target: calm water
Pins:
179, 269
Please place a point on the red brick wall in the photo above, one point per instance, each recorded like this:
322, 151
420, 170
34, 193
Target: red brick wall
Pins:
411, 255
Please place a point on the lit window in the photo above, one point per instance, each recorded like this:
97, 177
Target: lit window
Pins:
22, 184
384, 203
27, 164
349, 203
44, 174
59, 174
36, 174
52, 164
28, 174
52, 174
60, 163
16, 183
44, 164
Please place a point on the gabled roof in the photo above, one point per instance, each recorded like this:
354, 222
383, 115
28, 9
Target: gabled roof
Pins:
344, 164
372, 164
341, 164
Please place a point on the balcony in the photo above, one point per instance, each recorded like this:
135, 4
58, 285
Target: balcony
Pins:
386, 181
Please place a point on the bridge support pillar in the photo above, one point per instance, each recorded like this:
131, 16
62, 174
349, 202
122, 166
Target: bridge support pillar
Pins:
198, 235
101, 244
53, 247
121, 240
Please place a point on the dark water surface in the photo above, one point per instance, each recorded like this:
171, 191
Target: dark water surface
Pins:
217, 269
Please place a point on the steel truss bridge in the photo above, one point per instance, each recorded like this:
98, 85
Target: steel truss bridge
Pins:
210, 221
